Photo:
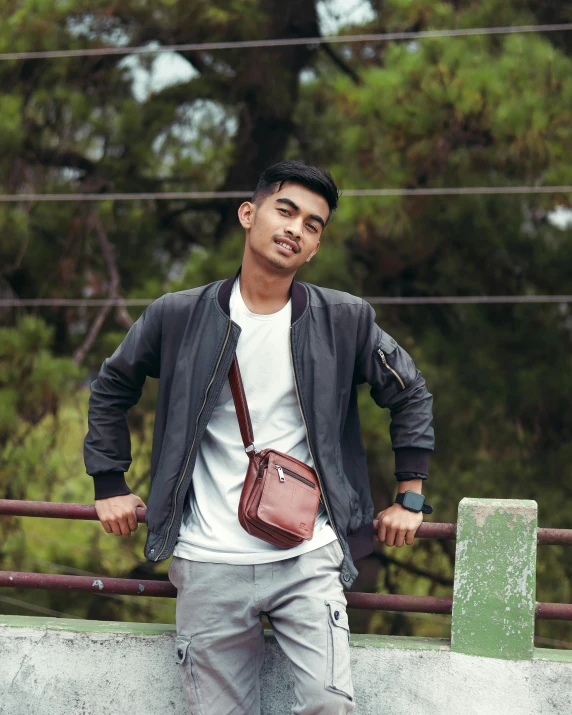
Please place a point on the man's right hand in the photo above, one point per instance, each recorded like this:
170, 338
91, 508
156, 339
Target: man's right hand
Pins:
118, 515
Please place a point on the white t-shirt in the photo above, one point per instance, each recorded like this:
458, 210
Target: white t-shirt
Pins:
210, 530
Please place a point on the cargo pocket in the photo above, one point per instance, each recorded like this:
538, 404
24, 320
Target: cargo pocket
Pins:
183, 658
338, 673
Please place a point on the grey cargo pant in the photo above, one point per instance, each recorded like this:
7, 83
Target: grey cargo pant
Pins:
220, 640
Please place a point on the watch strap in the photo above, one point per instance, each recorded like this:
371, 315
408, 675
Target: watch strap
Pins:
425, 509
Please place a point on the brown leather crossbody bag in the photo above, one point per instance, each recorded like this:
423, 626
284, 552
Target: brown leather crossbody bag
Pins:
281, 495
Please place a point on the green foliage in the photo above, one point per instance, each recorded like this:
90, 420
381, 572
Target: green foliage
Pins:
32, 380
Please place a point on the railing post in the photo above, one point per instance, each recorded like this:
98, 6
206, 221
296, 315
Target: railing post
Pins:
494, 594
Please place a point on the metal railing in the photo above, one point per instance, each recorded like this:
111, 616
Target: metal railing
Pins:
135, 587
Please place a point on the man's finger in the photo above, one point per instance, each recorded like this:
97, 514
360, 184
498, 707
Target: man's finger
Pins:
124, 526
132, 521
410, 538
390, 536
382, 532
400, 538
115, 528
106, 526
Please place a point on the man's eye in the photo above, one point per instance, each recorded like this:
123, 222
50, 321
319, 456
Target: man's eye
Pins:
311, 226
285, 211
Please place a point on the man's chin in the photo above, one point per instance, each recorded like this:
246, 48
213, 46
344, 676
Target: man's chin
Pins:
280, 265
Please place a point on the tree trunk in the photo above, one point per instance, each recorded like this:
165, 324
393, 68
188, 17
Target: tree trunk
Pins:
266, 90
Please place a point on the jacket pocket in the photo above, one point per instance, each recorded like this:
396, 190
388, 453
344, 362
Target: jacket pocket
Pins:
389, 368
338, 673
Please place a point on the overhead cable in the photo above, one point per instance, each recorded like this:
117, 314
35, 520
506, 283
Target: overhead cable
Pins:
190, 195
469, 299
374, 300
34, 607
284, 42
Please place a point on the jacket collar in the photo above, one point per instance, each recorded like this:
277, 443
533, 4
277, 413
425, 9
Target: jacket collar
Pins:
298, 295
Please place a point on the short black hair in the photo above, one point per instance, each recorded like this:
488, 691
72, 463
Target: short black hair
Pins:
312, 177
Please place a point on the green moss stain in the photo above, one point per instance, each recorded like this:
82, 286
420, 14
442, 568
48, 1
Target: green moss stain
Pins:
83, 626
495, 579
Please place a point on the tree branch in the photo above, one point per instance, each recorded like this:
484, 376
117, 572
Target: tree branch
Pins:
384, 559
23, 248
54, 156
121, 314
341, 64
217, 88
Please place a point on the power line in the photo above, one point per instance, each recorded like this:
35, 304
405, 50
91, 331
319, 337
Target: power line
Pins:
34, 607
471, 299
284, 42
374, 300
173, 195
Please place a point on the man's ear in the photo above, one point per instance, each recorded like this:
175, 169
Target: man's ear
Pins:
313, 253
246, 213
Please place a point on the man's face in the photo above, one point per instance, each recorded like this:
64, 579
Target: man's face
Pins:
284, 229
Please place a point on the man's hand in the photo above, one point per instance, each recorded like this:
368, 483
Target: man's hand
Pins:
118, 515
397, 525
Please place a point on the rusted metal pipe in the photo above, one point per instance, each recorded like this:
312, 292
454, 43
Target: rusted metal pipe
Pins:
132, 587
54, 510
436, 530
93, 584
57, 510
397, 602
554, 536
164, 589
430, 530
554, 611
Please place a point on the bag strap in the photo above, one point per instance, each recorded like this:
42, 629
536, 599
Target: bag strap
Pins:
241, 406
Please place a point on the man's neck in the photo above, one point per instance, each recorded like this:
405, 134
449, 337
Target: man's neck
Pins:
264, 293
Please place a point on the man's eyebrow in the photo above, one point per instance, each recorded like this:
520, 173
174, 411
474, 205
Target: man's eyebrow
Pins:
290, 203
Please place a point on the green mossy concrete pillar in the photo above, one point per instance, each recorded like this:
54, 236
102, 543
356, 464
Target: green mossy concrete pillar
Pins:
494, 595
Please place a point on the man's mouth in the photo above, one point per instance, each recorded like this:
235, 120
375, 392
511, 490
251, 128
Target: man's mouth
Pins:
288, 245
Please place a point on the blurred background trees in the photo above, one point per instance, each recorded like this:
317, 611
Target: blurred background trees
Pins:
427, 113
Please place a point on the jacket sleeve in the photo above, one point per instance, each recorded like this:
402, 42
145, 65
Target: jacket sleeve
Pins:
107, 445
398, 385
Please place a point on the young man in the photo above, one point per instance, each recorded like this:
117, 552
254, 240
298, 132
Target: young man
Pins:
302, 351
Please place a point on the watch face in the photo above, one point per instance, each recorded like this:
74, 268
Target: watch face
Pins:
413, 501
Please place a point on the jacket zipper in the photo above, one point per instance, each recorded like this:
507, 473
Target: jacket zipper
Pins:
322, 492
388, 366
281, 471
193, 442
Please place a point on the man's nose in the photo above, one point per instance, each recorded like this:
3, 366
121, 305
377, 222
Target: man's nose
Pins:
294, 229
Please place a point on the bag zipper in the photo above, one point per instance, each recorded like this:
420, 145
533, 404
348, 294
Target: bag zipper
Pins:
388, 366
282, 478
193, 442
323, 497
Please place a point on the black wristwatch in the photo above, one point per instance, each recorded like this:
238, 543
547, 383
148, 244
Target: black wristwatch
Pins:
413, 502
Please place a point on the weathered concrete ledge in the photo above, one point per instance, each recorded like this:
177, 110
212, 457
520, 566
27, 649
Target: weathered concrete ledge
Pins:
51, 666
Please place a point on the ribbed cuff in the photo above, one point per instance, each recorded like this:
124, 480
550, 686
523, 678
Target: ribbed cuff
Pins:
410, 459
409, 476
110, 484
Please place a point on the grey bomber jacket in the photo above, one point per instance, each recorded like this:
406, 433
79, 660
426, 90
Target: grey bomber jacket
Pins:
187, 341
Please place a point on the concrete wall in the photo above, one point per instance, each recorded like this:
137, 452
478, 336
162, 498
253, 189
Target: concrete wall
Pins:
54, 666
